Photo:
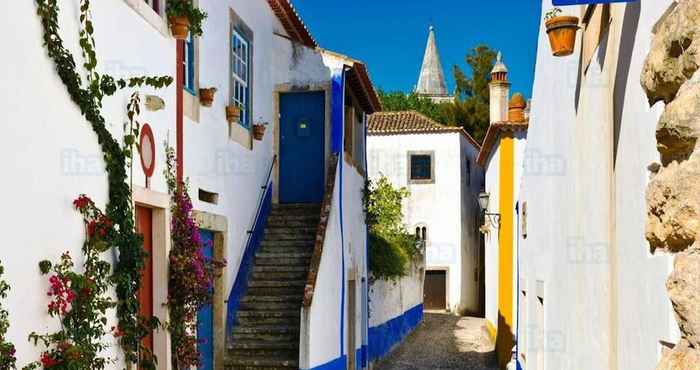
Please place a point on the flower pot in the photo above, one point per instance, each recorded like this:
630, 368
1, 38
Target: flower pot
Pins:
258, 132
206, 96
233, 113
180, 27
562, 35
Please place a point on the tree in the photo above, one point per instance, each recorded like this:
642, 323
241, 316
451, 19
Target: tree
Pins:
398, 101
471, 105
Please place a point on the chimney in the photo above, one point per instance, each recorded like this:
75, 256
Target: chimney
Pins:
516, 108
499, 89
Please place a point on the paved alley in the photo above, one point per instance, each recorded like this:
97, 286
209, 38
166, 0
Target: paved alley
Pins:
444, 341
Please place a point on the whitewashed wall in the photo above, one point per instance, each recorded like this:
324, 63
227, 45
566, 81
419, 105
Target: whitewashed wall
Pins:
491, 238
584, 186
440, 206
55, 156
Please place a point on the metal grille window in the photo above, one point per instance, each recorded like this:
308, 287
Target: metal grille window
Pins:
240, 75
421, 167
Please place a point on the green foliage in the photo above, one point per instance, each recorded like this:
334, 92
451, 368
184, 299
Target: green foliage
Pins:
398, 101
471, 106
7, 349
391, 247
553, 13
88, 97
470, 109
185, 8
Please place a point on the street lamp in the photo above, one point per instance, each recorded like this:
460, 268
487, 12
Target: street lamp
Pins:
493, 218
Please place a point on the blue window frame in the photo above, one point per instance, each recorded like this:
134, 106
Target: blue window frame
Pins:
188, 65
240, 75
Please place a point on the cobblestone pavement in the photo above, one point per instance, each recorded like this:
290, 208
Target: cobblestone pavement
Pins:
444, 341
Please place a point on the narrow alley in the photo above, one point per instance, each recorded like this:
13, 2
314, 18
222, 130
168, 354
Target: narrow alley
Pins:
444, 341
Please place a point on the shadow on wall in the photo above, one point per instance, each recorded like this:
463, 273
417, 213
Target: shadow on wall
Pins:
504, 342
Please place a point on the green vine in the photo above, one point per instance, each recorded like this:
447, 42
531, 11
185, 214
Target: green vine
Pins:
7, 349
127, 274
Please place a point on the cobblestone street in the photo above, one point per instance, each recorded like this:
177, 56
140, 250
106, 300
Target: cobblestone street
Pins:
444, 341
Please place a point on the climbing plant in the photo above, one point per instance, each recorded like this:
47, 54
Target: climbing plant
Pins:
7, 349
191, 274
79, 300
391, 246
87, 93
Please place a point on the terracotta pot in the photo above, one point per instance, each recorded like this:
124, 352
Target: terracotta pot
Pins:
233, 113
180, 27
562, 35
258, 132
206, 96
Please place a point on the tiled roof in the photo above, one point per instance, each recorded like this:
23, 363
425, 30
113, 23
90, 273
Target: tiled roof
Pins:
410, 122
359, 81
494, 131
292, 23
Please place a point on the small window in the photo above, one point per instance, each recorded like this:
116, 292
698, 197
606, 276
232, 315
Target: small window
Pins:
189, 65
422, 233
240, 75
421, 168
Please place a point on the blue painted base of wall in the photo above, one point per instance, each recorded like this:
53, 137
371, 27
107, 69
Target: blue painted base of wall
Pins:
384, 337
337, 364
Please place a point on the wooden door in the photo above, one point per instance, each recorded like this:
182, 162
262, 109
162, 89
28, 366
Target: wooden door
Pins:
435, 290
144, 226
205, 316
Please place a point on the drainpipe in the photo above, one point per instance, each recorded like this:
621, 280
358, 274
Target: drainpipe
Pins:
179, 86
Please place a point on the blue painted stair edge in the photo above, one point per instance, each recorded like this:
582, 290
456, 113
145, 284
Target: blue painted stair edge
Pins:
240, 286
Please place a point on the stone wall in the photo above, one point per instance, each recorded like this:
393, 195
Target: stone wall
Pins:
672, 74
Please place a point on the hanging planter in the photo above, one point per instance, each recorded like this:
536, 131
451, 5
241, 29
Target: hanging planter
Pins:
206, 96
562, 32
185, 19
259, 131
233, 113
180, 27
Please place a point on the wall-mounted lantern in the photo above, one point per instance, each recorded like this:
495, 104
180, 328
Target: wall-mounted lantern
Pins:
492, 218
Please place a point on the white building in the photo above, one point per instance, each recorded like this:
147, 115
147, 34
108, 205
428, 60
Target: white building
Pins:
591, 295
437, 164
259, 55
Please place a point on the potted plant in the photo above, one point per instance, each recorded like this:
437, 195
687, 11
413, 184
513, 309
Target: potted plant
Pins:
233, 113
259, 130
562, 32
184, 19
206, 96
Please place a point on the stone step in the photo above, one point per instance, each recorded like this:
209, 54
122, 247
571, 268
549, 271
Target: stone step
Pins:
264, 345
266, 330
297, 299
255, 363
283, 261
290, 354
292, 222
291, 233
286, 275
269, 314
260, 269
261, 320
276, 283
276, 291
306, 244
270, 306
272, 253
296, 207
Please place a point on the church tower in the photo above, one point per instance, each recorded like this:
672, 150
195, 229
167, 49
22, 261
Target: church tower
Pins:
431, 82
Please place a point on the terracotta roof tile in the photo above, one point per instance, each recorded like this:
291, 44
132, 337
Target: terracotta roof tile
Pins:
292, 22
410, 122
496, 129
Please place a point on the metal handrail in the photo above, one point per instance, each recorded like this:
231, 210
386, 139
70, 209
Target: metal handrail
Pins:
263, 190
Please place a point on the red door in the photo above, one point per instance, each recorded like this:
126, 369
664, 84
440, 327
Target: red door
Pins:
144, 226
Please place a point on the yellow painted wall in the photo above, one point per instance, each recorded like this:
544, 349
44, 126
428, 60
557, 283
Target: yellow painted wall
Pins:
504, 336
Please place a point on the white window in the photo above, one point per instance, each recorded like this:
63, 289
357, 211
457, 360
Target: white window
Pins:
240, 75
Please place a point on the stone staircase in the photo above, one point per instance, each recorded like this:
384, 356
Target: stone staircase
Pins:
266, 332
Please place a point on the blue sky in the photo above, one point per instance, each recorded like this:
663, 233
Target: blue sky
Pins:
390, 35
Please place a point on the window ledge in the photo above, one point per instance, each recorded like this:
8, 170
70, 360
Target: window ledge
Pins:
191, 105
241, 135
150, 16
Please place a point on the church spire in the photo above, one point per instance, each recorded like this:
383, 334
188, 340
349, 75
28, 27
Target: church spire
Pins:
431, 82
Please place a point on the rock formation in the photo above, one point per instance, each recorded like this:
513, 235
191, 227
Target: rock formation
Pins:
672, 74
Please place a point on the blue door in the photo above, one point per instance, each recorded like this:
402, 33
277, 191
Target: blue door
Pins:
302, 154
205, 317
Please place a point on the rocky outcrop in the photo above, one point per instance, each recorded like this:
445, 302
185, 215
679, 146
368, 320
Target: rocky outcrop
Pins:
671, 74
